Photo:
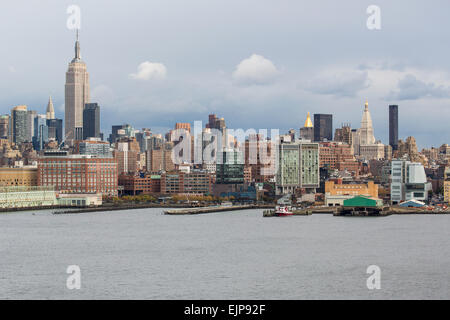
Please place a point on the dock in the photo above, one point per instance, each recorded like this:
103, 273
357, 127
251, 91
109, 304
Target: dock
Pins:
362, 212
202, 210
297, 212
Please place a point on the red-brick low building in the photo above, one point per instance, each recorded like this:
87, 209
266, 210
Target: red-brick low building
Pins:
194, 182
140, 184
78, 174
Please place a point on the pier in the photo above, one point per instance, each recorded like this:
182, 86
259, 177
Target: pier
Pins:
296, 212
202, 210
362, 212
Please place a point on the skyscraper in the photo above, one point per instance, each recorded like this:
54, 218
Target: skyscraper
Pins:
298, 166
50, 109
323, 127
366, 132
4, 126
55, 129
91, 121
40, 137
366, 146
19, 124
76, 96
393, 127
31, 115
307, 132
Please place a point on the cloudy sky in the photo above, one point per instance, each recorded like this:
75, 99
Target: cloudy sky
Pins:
258, 63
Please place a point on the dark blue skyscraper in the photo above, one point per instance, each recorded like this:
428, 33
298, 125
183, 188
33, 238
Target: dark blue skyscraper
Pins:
55, 129
323, 127
91, 121
393, 126
40, 135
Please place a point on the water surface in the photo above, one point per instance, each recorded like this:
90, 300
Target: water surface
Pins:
142, 254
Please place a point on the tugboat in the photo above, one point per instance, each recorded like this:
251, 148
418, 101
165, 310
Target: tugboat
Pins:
283, 211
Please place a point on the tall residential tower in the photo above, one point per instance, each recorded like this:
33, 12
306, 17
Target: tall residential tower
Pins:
393, 126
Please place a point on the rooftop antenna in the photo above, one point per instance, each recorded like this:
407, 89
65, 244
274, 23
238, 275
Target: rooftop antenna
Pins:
77, 48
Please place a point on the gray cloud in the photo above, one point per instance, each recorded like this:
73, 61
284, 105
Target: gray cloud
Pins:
198, 38
411, 88
346, 84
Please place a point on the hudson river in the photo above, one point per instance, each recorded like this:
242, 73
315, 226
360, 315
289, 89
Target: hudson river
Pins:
142, 254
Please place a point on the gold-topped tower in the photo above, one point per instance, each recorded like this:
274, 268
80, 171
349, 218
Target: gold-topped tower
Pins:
308, 122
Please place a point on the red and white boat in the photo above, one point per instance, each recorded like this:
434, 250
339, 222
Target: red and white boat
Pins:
283, 211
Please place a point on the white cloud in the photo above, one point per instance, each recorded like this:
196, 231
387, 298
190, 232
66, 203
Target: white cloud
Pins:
255, 70
150, 70
12, 69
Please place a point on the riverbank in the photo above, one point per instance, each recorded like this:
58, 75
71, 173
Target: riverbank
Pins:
180, 208
184, 209
104, 207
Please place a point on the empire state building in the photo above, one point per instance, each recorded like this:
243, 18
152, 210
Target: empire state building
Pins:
76, 96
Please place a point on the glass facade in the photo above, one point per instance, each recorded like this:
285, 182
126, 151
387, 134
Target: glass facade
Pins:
298, 166
310, 165
323, 127
393, 126
91, 121
230, 168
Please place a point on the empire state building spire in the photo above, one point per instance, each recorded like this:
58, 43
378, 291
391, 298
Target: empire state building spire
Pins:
77, 50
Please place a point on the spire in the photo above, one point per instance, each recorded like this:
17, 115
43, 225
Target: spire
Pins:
77, 49
50, 109
308, 122
367, 136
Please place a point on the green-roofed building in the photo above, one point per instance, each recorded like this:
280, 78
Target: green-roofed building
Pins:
363, 201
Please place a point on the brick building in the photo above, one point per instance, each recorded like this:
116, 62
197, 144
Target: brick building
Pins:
25, 176
195, 182
352, 189
337, 192
160, 159
127, 153
78, 174
137, 184
334, 155
259, 158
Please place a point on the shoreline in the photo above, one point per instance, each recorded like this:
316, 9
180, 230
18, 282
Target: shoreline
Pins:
184, 209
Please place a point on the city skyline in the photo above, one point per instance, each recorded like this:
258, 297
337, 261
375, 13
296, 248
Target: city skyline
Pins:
219, 150
251, 81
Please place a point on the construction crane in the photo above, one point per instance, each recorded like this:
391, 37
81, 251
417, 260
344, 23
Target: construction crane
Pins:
64, 139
